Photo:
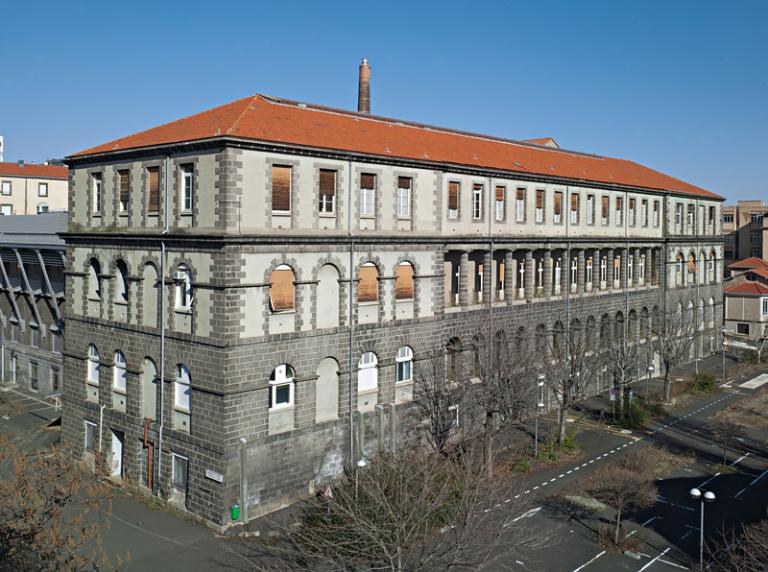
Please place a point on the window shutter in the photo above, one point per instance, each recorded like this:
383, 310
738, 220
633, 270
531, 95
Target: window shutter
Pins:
281, 188
368, 286
404, 183
520, 194
604, 206
574, 202
281, 289
619, 203
154, 188
327, 182
124, 189
558, 203
453, 196
500, 193
367, 181
631, 204
539, 199
404, 282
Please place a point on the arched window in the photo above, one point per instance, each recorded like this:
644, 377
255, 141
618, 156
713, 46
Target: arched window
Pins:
644, 326
281, 387
149, 389
619, 331
183, 280
150, 295
558, 339
281, 289
182, 389
711, 320
632, 325
119, 373
93, 365
368, 286
691, 267
453, 358
327, 305
404, 364
589, 334
700, 315
689, 314
404, 281
94, 280
121, 295
711, 268
368, 373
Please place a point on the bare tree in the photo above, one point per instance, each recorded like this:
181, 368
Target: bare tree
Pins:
437, 402
673, 335
726, 432
625, 485
621, 355
567, 362
406, 512
745, 550
503, 390
51, 513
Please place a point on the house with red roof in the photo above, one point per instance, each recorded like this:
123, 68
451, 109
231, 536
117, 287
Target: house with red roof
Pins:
746, 301
32, 188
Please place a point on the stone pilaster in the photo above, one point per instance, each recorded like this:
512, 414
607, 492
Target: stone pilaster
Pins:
529, 272
547, 276
465, 285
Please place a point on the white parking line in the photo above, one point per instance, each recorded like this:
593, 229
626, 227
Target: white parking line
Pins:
663, 552
673, 564
589, 562
738, 494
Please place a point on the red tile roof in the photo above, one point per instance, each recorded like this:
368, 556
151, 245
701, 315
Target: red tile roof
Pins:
748, 289
274, 120
749, 263
762, 272
546, 141
33, 170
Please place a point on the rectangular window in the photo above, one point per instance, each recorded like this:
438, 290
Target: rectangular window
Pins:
520, 205
42, 189
590, 209
34, 335
588, 273
327, 191
644, 212
755, 239
574, 208
187, 187
180, 473
558, 207
500, 206
765, 306
14, 330
281, 188
742, 329
153, 174
89, 439
757, 218
539, 205
477, 201
6, 210
619, 211
55, 378
404, 185
6, 187
56, 344
604, 208
97, 191
367, 190
453, 199
632, 219
711, 216
728, 218
34, 380
656, 215
691, 215
123, 185
678, 214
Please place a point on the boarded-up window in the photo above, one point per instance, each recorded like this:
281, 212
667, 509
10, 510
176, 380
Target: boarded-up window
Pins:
281, 188
403, 182
453, 196
691, 263
367, 181
124, 186
368, 286
558, 203
604, 207
154, 188
404, 281
281, 288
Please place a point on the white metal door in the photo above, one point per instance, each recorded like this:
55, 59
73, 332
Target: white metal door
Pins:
117, 454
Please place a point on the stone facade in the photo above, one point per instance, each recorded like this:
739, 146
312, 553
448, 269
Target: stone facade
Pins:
222, 327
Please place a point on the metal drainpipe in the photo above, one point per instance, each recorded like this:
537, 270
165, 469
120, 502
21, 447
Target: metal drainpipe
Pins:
567, 207
350, 324
491, 283
159, 481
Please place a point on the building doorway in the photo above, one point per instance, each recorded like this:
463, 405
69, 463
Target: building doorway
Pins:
117, 453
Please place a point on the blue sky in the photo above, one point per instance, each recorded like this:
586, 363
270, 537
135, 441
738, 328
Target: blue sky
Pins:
680, 86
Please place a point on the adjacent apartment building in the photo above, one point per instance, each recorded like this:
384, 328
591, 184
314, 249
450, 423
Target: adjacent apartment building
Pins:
32, 302
31, 188
255, 275
746, 230
746, 304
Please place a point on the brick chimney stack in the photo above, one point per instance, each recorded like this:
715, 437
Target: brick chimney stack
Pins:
364, 88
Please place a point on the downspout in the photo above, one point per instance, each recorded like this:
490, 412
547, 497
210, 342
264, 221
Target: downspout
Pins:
350, 323
159, 480
567, 207
491, 274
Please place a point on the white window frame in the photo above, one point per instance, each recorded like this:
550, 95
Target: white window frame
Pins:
98, 192
34, 334
632, 218
641, 269
603, 271
6, 188
656, 211
174, 481
499, 205
183, 294
284, 375
42, 208
520, 206
367, 205
94, 365
630, 268
678, 214
182, 389
187, 187
765, 306
590, 209
477, 202
119, 373
574, 273
403, 203
42, 189
588, 269
89, 434
368, 361
404, 361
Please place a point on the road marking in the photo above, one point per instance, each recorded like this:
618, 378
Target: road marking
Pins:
738, 494
673, 564
527, 514
649, 521
686, 535
663, 552
756, 382
588, 563
712, 478
560, 476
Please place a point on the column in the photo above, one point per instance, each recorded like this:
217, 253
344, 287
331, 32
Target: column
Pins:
547, 278
624, 269
609, 268
596, 270
648, 266
510, 276
489, 277
529, 272
636, 258
465, 285
580, 283
565, 278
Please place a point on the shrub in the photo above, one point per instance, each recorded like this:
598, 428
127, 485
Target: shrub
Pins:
521, 465
635, 417
704, 382
570, 444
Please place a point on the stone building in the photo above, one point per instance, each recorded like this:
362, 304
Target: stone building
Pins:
31, 188
32, 301
264, 270
745, 227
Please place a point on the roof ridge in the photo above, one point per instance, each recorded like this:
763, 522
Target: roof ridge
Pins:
250, 99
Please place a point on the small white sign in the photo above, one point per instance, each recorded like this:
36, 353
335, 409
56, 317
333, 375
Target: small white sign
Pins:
214, 476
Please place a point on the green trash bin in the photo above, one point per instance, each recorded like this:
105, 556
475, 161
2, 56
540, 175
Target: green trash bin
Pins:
234, 512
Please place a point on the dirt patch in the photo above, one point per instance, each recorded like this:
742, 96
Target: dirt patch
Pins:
750, 411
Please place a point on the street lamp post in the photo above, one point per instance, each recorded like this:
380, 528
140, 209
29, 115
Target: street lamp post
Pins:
703, 496
539, 407
648, 373
723, 331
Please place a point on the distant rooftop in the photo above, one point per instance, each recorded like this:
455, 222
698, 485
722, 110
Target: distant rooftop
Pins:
33, 230
33, 170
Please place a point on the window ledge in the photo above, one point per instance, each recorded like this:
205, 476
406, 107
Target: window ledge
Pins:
121, 303
281, 408
92, 383
119, 391
326, 215
368, 217
123, 214
282, 312
181, 410
281, 213
183, 311
404, 218
404, 382
375, 303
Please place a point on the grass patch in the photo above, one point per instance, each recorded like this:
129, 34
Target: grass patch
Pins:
551, 450
521, 465
704, 382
